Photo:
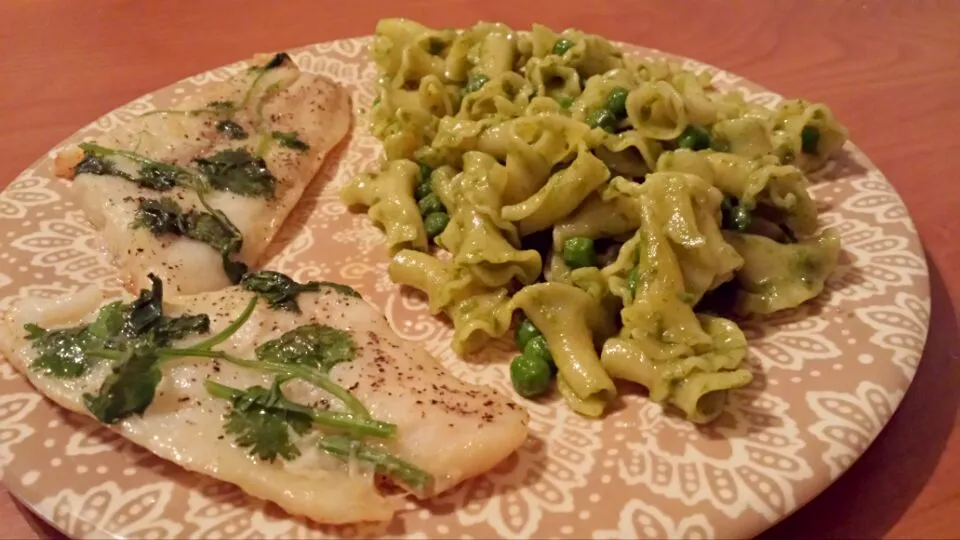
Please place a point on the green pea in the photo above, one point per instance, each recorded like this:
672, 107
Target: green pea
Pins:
602, 118
565, 102
809, 139
537, 347
525, 332
423, 189
425, 172
740, 218
475, 83
562, 46
632, 278
430, 204
435, 223
694, 138
424, 186
578, 252
530, 376
734, 216
617, 101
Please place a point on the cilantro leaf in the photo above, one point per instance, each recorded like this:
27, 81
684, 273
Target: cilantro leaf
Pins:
313, 345
173, 329
153, 175
231, 129
145, 310
161, 216
165, 216
128, 333
261, 419
99, 165
278, 60
290, 139
345, 290
279, 290
110, 321
159, 176
129, 389
62, 353
238, 171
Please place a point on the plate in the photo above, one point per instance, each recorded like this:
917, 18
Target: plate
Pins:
828, 375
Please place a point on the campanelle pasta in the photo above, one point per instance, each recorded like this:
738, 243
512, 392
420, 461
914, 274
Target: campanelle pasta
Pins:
603, 196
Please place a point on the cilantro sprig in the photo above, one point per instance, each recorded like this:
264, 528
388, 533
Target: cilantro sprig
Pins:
346, 448
280, 291
71, 352
136, 339
262, 418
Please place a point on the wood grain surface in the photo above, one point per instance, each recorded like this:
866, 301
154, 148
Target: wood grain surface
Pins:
890, 70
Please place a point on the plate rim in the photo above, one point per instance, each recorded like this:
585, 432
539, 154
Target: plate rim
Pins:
920, 284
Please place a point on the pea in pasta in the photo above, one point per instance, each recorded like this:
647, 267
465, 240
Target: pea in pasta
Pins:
651, 188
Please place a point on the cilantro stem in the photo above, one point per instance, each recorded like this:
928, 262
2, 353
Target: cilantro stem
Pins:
309, 375
103, 151
346, 448
336, 420
106, 354
230, 330
268, 94
191, 112
246, 97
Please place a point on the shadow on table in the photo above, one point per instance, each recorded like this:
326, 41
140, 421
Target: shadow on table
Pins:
869, 499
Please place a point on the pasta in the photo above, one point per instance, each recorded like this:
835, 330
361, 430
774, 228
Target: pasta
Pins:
604, 197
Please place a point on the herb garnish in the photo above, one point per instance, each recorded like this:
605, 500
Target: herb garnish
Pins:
290, 139
220, 106
231, 129
62, 353
313, 345
152, 174
347, 448
165, 216
130, 387
261, 417
135, 337
69, 353
277, 61
280, 291
238, 171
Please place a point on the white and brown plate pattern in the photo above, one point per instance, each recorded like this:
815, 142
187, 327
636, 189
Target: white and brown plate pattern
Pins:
828, 376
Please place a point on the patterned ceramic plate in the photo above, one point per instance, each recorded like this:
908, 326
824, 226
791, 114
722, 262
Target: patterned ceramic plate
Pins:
827, 376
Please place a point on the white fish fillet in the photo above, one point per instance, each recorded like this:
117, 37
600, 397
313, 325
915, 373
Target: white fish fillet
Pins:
284, 100
448, 428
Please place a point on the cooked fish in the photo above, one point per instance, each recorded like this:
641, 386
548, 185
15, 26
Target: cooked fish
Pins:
254, 142
448, 428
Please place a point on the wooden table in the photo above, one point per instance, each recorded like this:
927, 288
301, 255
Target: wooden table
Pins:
889, 70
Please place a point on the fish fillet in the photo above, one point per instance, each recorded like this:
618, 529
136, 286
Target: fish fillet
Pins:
450, 429
279, 100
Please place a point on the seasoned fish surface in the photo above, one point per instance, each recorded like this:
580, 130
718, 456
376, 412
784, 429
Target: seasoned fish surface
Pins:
289, 119
446, 427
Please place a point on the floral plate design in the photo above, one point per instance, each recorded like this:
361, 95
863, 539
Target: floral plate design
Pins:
828, 375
